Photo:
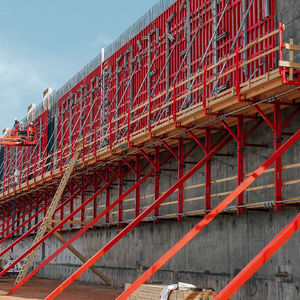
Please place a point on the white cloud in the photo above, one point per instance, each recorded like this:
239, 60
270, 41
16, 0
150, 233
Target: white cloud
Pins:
100, 41
19, 80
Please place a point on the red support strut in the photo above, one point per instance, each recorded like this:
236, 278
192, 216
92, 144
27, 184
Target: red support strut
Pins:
180, 175
259, 259
207, 219
217, 147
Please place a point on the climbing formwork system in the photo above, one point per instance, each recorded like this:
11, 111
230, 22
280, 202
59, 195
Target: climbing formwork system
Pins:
195, 77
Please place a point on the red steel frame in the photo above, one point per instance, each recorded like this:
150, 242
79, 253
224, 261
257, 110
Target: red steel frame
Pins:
218, 146
198, 227
140, 82
142, 99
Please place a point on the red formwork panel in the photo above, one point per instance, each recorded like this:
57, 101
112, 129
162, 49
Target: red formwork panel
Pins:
122, 88
137, 72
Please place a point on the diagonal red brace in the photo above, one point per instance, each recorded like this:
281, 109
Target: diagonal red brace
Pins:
219, 145
206, 220
83, 230
35, 226
196, 140
259, 259
262, 114
78, 209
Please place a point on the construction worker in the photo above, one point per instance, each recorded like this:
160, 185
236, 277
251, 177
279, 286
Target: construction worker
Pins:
17, 124
22, 132
31, 132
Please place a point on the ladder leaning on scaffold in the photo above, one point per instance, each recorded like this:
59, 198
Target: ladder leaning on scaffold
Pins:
44, 226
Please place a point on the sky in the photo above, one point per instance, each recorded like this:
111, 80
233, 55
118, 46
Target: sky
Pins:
44, 43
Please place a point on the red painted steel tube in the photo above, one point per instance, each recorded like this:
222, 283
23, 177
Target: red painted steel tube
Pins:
107, 197
290, 117
259, 259
280, 45
33, 228
174, 107
59, 225
15, 230
170, 149
278, 162
207, 171
237, 74
204, 90
148, 158
7, 222
229, 129
240, 161
196, 140
180, 172
219, 145
138, 189
120, 191
206, 220
156, 178
264, 117
79, 233
149, 117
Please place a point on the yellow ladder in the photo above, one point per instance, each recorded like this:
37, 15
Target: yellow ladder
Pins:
44, 226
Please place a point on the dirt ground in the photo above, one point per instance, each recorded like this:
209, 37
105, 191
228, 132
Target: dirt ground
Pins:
39, 288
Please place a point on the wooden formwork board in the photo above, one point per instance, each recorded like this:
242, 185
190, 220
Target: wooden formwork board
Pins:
152, 292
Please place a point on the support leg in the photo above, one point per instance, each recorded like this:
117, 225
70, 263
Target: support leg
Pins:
207, 171
180, 175
138, 189
240, 161
278, 162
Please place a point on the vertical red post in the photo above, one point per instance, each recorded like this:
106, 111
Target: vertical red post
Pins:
174, 107
120, 208
156, 179
280, 45
71, 203
149, 117
240, 160
207, 171
204, 89
278, 162
107, 197
237, 74
62, 208
138, 189
95, 201
82, 198
180, 175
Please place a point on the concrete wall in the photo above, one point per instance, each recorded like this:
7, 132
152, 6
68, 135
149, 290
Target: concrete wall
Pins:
210, 260
219, 251
288, 13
